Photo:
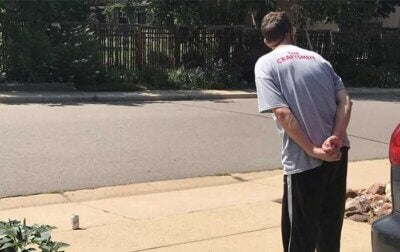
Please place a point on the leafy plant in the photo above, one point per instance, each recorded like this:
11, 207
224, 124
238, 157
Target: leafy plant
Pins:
219, 75
191, 78
3, 76
223, 75
18, 237
121, 75
78, 57
373, 76
30, 56
38, 48
155, 78
114, 79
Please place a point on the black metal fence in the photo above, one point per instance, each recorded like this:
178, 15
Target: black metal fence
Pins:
355, 47
138, 48
2, 52
362, 59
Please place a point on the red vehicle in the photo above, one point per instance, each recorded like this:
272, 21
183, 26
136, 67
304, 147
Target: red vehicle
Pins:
386, 230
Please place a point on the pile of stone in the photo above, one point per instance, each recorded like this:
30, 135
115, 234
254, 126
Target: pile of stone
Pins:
367, 205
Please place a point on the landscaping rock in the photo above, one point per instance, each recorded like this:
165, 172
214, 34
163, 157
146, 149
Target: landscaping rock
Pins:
367, 205
378, 197
376, 206
351, 205
359, 217
351, 194
384, 210
351, 213
377, 188
388, 191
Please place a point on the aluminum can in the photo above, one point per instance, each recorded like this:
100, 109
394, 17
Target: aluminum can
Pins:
75, 222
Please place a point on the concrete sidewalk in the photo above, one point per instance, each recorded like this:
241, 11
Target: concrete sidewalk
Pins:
236, 212
155, 95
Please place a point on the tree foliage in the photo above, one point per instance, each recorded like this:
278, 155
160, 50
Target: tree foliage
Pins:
205, 12
40, 12
40, 35
348, 14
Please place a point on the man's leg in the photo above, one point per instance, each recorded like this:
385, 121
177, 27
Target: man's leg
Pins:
300, 210
332, 210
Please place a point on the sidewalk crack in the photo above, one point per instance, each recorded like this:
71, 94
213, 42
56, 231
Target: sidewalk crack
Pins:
108, 212
238, 178
66, 197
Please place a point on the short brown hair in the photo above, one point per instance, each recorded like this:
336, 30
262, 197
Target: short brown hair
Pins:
275, 26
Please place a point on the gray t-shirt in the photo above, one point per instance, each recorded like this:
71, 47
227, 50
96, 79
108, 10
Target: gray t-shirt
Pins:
306, 83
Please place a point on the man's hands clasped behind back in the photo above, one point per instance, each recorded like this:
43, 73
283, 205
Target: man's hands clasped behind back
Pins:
331, 149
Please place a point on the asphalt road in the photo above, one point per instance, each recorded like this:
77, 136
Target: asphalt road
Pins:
57, 147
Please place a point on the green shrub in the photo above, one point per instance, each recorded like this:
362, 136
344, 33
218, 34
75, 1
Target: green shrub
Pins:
3, 77
115, 79
16, 236
120, 75
30, 56
218, 76
78, 57
223, 75
153, 78
191, 78
55, 53
389, 77
386, 76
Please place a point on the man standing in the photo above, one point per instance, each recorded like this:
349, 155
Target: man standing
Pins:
311, 110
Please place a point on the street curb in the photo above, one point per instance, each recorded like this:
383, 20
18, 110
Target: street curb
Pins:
119, 191
155, 95
365, 92
85, 97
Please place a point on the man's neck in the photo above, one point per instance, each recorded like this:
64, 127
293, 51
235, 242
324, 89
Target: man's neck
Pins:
282, 45
286, 42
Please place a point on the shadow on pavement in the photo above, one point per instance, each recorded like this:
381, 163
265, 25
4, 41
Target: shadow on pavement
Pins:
84, 103
113, 103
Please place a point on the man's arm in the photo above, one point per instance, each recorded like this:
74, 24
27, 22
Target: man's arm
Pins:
342, 118
291, 126
343, 113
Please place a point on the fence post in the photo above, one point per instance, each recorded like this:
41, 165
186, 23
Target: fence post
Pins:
139, 48
2, 66
177, 46
223, 38
239, 46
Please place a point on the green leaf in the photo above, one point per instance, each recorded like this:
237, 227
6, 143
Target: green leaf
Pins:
45, 235
15, 236
7, 245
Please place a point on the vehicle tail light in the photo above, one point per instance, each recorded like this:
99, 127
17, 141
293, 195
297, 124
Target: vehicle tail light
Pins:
394, 147
394, 156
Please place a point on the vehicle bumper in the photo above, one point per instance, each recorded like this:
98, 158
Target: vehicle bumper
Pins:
386, 233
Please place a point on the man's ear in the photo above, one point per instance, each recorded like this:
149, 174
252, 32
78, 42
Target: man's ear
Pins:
266, 43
